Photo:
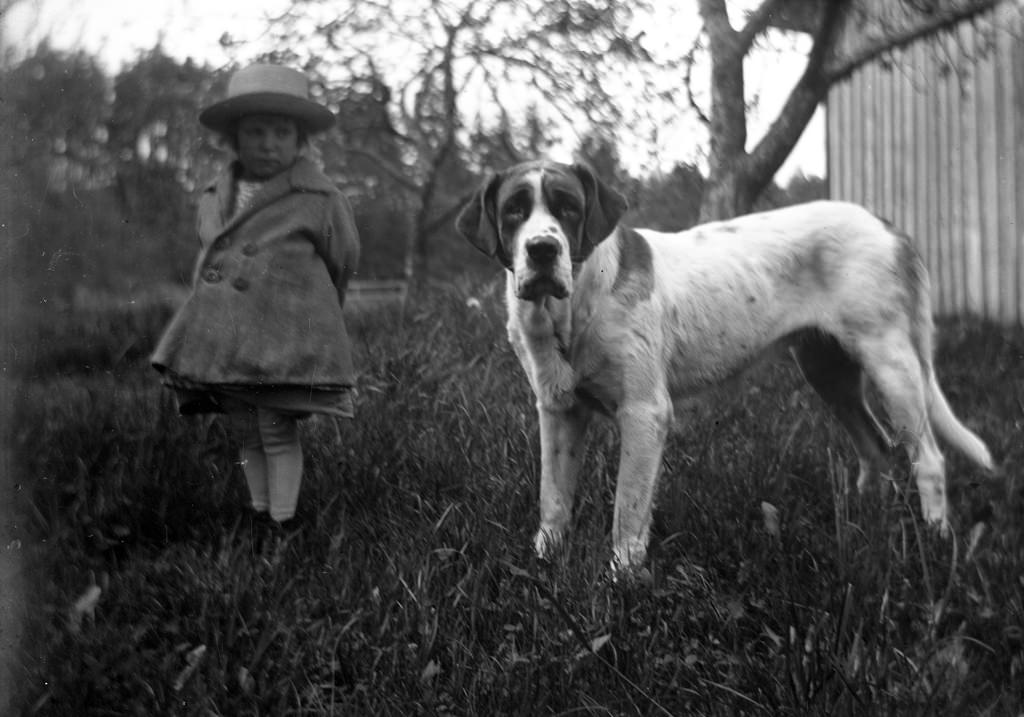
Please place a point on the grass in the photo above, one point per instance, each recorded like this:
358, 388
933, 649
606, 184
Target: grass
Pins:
410, 587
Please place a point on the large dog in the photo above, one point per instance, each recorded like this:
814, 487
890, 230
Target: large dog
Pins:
618, 321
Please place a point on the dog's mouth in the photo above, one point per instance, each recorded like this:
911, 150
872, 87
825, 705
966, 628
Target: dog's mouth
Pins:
539, 287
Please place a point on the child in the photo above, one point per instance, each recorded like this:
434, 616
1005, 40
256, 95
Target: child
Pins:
261, 337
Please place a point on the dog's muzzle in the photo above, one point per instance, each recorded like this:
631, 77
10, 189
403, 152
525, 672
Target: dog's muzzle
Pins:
542, 274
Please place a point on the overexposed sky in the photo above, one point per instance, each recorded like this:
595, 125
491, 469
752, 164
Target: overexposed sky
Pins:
116, 31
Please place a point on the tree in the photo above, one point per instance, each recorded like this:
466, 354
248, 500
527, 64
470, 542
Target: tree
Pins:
98, 171
736, 175
669, 201
54, 152
513, 71
160, 154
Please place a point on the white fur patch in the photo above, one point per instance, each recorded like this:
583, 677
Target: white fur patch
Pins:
541, 225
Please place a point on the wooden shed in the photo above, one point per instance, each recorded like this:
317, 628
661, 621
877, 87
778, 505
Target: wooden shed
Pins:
931, 137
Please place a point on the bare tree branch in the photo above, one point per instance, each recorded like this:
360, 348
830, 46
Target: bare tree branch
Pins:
803, 100
838, 68
688, 82
758, 21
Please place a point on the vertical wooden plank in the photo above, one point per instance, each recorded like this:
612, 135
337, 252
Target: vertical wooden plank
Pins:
899, 148
1007, 181
850, 151
883, 145
837, 155
858, 139
988, 164
941, 169
926, 170
883, 101
897, 152
953, 257
838, 137
1018, 159
865, 137
870, 136
834, 155
880, 104
971, 197
905, 160
831, 103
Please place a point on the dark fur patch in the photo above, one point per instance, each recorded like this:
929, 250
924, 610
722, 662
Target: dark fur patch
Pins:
811, 269
914, 276
635, 280
598, 398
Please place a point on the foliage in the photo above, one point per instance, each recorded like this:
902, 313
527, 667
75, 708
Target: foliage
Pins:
463, 86
409, 587
68, 134
843, 36
102, 176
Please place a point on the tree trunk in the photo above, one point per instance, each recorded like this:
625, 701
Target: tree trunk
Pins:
728, 113
736, 177
726, 195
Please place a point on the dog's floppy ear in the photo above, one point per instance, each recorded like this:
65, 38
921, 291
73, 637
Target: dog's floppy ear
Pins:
605, 207
478, 220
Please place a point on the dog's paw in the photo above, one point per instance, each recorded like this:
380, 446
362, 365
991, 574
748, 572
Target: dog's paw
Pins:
942, 527
547, 543
629, 555
937, 518
635, 575
935, 511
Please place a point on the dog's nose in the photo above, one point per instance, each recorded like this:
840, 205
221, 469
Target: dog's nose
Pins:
542, 250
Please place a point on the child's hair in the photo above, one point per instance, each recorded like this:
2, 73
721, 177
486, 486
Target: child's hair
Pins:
230, 137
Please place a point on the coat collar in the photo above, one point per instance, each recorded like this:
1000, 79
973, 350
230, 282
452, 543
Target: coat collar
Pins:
303, 176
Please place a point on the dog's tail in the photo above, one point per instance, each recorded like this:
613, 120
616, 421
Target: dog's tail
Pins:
949, 427
943, 420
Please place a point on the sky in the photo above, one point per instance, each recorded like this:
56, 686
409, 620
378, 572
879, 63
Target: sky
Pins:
116, 31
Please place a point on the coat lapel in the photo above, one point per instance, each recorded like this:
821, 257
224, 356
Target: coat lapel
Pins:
303, 176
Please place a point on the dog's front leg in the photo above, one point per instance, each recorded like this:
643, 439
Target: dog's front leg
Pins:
644, 428
562, 438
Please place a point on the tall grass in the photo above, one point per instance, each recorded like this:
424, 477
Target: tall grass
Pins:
410, 587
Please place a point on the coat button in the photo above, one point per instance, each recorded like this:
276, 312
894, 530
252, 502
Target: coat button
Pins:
240, 284
249, 249
211, 275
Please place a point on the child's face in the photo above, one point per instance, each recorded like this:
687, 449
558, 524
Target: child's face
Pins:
267, 144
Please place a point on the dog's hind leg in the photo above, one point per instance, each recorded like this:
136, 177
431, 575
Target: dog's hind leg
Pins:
562, 440
949, 427
895, 368
839, 379
643, 428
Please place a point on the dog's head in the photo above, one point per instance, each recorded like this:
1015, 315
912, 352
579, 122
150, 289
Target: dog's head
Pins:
538, 218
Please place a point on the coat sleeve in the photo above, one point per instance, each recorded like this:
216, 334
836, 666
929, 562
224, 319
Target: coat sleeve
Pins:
341, 243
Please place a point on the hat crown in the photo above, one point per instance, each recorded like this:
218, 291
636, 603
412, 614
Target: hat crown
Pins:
267, 89
268, 78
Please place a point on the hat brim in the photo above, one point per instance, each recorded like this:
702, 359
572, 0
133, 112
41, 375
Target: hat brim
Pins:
220, 116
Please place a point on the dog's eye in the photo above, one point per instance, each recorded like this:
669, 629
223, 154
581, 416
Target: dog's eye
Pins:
514, 212
567, 211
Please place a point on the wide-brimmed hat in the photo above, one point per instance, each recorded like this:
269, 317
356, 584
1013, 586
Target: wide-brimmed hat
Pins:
267, 90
